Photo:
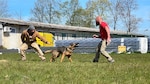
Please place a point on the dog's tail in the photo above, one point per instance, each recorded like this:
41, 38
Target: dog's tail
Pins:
47, 51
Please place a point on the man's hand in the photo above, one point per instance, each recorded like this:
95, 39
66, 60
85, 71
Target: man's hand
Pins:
95, 36
108, 41
47, 42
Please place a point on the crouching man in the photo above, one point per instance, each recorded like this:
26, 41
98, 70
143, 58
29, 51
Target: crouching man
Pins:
28, 38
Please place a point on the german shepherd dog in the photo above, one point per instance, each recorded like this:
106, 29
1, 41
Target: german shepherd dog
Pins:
63, 51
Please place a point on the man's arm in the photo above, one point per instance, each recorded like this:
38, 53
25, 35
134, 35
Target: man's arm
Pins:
96, 36
108, 34
22, 37
42, 38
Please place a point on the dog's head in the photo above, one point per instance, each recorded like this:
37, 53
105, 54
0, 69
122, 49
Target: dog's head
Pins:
74, 44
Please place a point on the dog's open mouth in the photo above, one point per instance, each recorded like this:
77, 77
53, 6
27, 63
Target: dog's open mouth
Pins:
77, 45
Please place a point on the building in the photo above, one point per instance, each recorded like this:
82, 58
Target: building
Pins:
10, 31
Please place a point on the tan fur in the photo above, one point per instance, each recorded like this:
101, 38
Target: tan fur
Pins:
66, 51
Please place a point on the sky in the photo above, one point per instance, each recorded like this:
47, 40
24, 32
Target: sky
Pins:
23, 8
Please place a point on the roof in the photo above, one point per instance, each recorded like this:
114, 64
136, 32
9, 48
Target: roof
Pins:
62, 27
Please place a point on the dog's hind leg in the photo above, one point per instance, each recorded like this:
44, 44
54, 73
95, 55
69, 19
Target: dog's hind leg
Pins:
52, 59
54, 56
47, 51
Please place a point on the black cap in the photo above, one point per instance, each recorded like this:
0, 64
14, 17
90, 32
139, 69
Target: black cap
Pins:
31, 27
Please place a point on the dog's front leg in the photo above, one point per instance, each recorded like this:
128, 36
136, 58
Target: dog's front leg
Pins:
69, 57
62, 57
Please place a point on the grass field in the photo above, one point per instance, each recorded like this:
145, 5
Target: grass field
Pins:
127, 69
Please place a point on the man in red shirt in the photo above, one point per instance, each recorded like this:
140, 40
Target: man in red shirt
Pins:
106, 39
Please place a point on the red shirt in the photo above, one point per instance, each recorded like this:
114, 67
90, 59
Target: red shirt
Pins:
103, 33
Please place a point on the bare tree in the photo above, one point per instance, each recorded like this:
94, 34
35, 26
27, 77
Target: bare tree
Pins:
134, 23
114, 11
4, 8
46, 11
129, 20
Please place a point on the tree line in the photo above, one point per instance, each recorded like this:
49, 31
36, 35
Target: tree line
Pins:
118, 13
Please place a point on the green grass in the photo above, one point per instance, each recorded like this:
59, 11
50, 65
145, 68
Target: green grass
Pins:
127, 69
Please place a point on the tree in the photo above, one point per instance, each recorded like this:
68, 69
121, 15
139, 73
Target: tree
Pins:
46, 11
134, 23
4, 8
114, 11
81, 18
100, 7
69, 10
75, 15
95, 8
90, 18
129, 20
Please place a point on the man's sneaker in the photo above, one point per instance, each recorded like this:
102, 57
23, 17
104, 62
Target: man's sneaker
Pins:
95, 60
23, 58
111, 61
43, 58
